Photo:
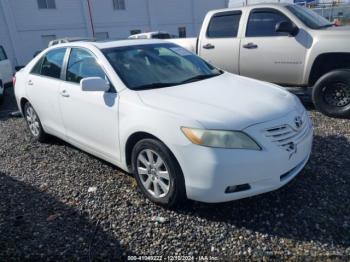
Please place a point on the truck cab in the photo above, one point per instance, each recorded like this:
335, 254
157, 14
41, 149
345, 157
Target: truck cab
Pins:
284, 44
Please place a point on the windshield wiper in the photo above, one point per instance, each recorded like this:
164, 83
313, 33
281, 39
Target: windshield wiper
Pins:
153, 86
325, 26
198, 77
161, 85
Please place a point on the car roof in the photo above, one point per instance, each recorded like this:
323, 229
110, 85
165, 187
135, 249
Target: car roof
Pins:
151, 33
111, 44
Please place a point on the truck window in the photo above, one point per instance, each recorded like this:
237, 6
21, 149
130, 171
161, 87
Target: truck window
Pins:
3, 55
263, 22
224, 25
309, 17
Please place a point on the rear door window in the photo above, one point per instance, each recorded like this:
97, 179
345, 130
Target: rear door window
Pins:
50, 64
224, 25
3, 55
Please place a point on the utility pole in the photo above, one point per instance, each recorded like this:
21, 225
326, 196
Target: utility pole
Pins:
91, 19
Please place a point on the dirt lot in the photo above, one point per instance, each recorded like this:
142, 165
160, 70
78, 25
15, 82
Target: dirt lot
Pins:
46, 211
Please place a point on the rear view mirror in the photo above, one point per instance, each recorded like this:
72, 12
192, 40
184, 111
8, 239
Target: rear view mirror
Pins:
94, 84
287, 27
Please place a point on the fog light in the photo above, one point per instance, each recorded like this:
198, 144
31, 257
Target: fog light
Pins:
237, 188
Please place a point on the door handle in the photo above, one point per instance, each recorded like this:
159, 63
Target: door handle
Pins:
30, 83
208, 46
64, 93
250, 46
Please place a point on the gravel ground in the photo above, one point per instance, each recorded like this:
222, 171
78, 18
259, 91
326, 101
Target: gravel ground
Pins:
46, 210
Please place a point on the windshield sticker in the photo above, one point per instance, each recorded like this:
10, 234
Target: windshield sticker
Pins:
181, 51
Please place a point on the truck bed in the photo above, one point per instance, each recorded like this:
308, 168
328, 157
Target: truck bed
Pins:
188, 43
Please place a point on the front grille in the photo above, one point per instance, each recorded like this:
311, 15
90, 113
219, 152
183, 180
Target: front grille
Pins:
286, 136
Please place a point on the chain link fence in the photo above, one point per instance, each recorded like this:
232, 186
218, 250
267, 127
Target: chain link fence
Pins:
339, 13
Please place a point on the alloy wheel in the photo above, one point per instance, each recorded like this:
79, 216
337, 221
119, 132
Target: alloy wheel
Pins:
153, 173
33, 121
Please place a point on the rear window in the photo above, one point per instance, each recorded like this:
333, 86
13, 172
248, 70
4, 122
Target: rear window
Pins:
224, 25
3, 55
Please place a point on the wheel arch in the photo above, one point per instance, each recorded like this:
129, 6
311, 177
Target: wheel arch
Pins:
23, 101
327, 62
136, 137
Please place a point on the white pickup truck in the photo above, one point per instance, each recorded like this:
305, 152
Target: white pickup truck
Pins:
280, 43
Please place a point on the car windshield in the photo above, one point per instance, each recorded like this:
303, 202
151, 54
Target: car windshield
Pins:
150, 66
309, 17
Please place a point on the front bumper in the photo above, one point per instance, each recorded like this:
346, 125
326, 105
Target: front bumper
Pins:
209, 172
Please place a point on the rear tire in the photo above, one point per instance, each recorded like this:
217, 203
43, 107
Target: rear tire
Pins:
157, 173
34, 124
331, 94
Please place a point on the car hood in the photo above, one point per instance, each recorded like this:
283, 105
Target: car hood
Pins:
335, 31
338, 29
224, 102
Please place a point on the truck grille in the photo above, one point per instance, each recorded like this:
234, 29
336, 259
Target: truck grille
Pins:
287, 135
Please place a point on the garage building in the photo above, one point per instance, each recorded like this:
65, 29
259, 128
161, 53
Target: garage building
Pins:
27, 26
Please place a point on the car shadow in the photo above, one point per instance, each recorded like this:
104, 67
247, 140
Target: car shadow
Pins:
313, 207
35, 226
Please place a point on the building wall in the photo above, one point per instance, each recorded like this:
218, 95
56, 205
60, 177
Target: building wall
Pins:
5, 40
25, 29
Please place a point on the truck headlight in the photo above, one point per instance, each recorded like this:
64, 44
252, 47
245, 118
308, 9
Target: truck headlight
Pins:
220, 138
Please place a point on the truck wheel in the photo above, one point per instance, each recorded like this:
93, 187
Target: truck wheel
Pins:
331, 94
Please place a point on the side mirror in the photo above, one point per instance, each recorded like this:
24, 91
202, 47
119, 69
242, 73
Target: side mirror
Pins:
287, 27
94, 84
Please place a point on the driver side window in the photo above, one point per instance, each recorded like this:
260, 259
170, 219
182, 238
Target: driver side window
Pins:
82, 64
262, 23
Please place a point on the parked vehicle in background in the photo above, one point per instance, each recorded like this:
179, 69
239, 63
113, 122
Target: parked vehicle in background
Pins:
69, 40
6, 71
151, 35
284, 44
183, 127
1, 90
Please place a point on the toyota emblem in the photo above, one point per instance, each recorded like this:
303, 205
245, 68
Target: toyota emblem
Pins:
298, 122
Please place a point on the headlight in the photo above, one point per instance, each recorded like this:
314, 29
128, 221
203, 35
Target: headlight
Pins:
220, 138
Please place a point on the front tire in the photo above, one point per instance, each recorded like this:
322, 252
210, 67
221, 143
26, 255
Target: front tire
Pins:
34, 124
157, 173
331, 94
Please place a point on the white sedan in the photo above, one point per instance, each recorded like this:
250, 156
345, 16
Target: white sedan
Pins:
184, 128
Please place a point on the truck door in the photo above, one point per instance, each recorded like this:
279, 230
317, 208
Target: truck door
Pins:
219, 45
269, 55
